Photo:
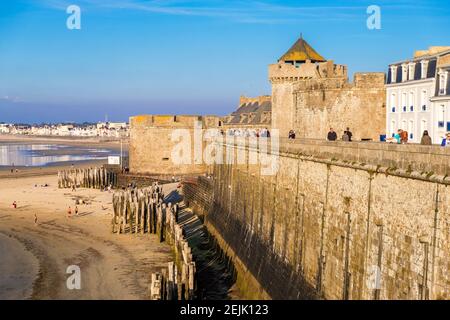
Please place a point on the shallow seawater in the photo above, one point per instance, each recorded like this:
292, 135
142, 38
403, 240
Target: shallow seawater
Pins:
34, 155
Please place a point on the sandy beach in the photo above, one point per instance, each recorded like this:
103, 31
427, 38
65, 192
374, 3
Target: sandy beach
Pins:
35, 257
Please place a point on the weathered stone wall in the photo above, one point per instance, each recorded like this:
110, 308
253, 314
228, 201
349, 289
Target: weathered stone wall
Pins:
151, 144
324, 228
312, 106
198, 195
426, 160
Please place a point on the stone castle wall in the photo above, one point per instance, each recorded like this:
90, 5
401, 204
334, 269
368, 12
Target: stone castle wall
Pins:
312, 106
151, 144
325, 228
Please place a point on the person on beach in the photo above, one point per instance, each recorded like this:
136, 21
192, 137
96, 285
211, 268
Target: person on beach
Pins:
14, 205
69, 212
35, 219
76, 210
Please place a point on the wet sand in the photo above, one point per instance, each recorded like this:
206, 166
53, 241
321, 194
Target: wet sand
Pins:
5, 171
37, 256
18, 269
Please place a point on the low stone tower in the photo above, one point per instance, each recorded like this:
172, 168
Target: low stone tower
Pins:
155, 142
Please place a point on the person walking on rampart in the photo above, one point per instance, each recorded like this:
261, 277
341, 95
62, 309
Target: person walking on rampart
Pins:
332, 136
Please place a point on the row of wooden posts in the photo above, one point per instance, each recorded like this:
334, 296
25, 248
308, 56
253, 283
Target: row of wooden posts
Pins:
144, 211
97, 178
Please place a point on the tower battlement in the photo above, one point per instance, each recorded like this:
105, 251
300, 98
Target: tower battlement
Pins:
287, 72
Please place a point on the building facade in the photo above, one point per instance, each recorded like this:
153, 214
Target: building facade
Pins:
417, 95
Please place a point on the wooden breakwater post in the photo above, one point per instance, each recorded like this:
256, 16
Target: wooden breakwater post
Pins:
96, 178
140, 211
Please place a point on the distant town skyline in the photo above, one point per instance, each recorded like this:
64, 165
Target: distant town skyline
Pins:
185, 57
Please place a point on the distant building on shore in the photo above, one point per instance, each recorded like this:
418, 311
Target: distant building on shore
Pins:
105, 129
5, 128
418, 95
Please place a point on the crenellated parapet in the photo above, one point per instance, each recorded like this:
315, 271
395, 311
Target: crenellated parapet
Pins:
285, 72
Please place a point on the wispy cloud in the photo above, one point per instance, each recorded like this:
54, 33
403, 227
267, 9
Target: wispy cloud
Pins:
237, 10
11, 99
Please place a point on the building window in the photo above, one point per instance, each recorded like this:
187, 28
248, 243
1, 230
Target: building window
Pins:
423, 100
423, 125
441, 122
424, 69
411, 129
403, 125
393, 101
411, 101
393, 127
404, 101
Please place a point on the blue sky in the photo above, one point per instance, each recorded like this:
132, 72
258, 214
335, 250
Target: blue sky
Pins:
185, 57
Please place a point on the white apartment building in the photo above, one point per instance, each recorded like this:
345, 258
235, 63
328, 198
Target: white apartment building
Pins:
5, 128
417, 93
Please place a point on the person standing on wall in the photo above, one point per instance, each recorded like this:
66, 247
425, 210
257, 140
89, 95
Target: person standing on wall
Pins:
397, 136
403, 137
291, 134
426, 139
332, 136
349, 134
345, 137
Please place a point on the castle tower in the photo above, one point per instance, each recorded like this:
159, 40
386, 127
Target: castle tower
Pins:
300, 63
310, 94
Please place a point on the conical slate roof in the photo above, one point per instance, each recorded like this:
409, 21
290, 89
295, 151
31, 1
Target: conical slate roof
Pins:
302, 51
